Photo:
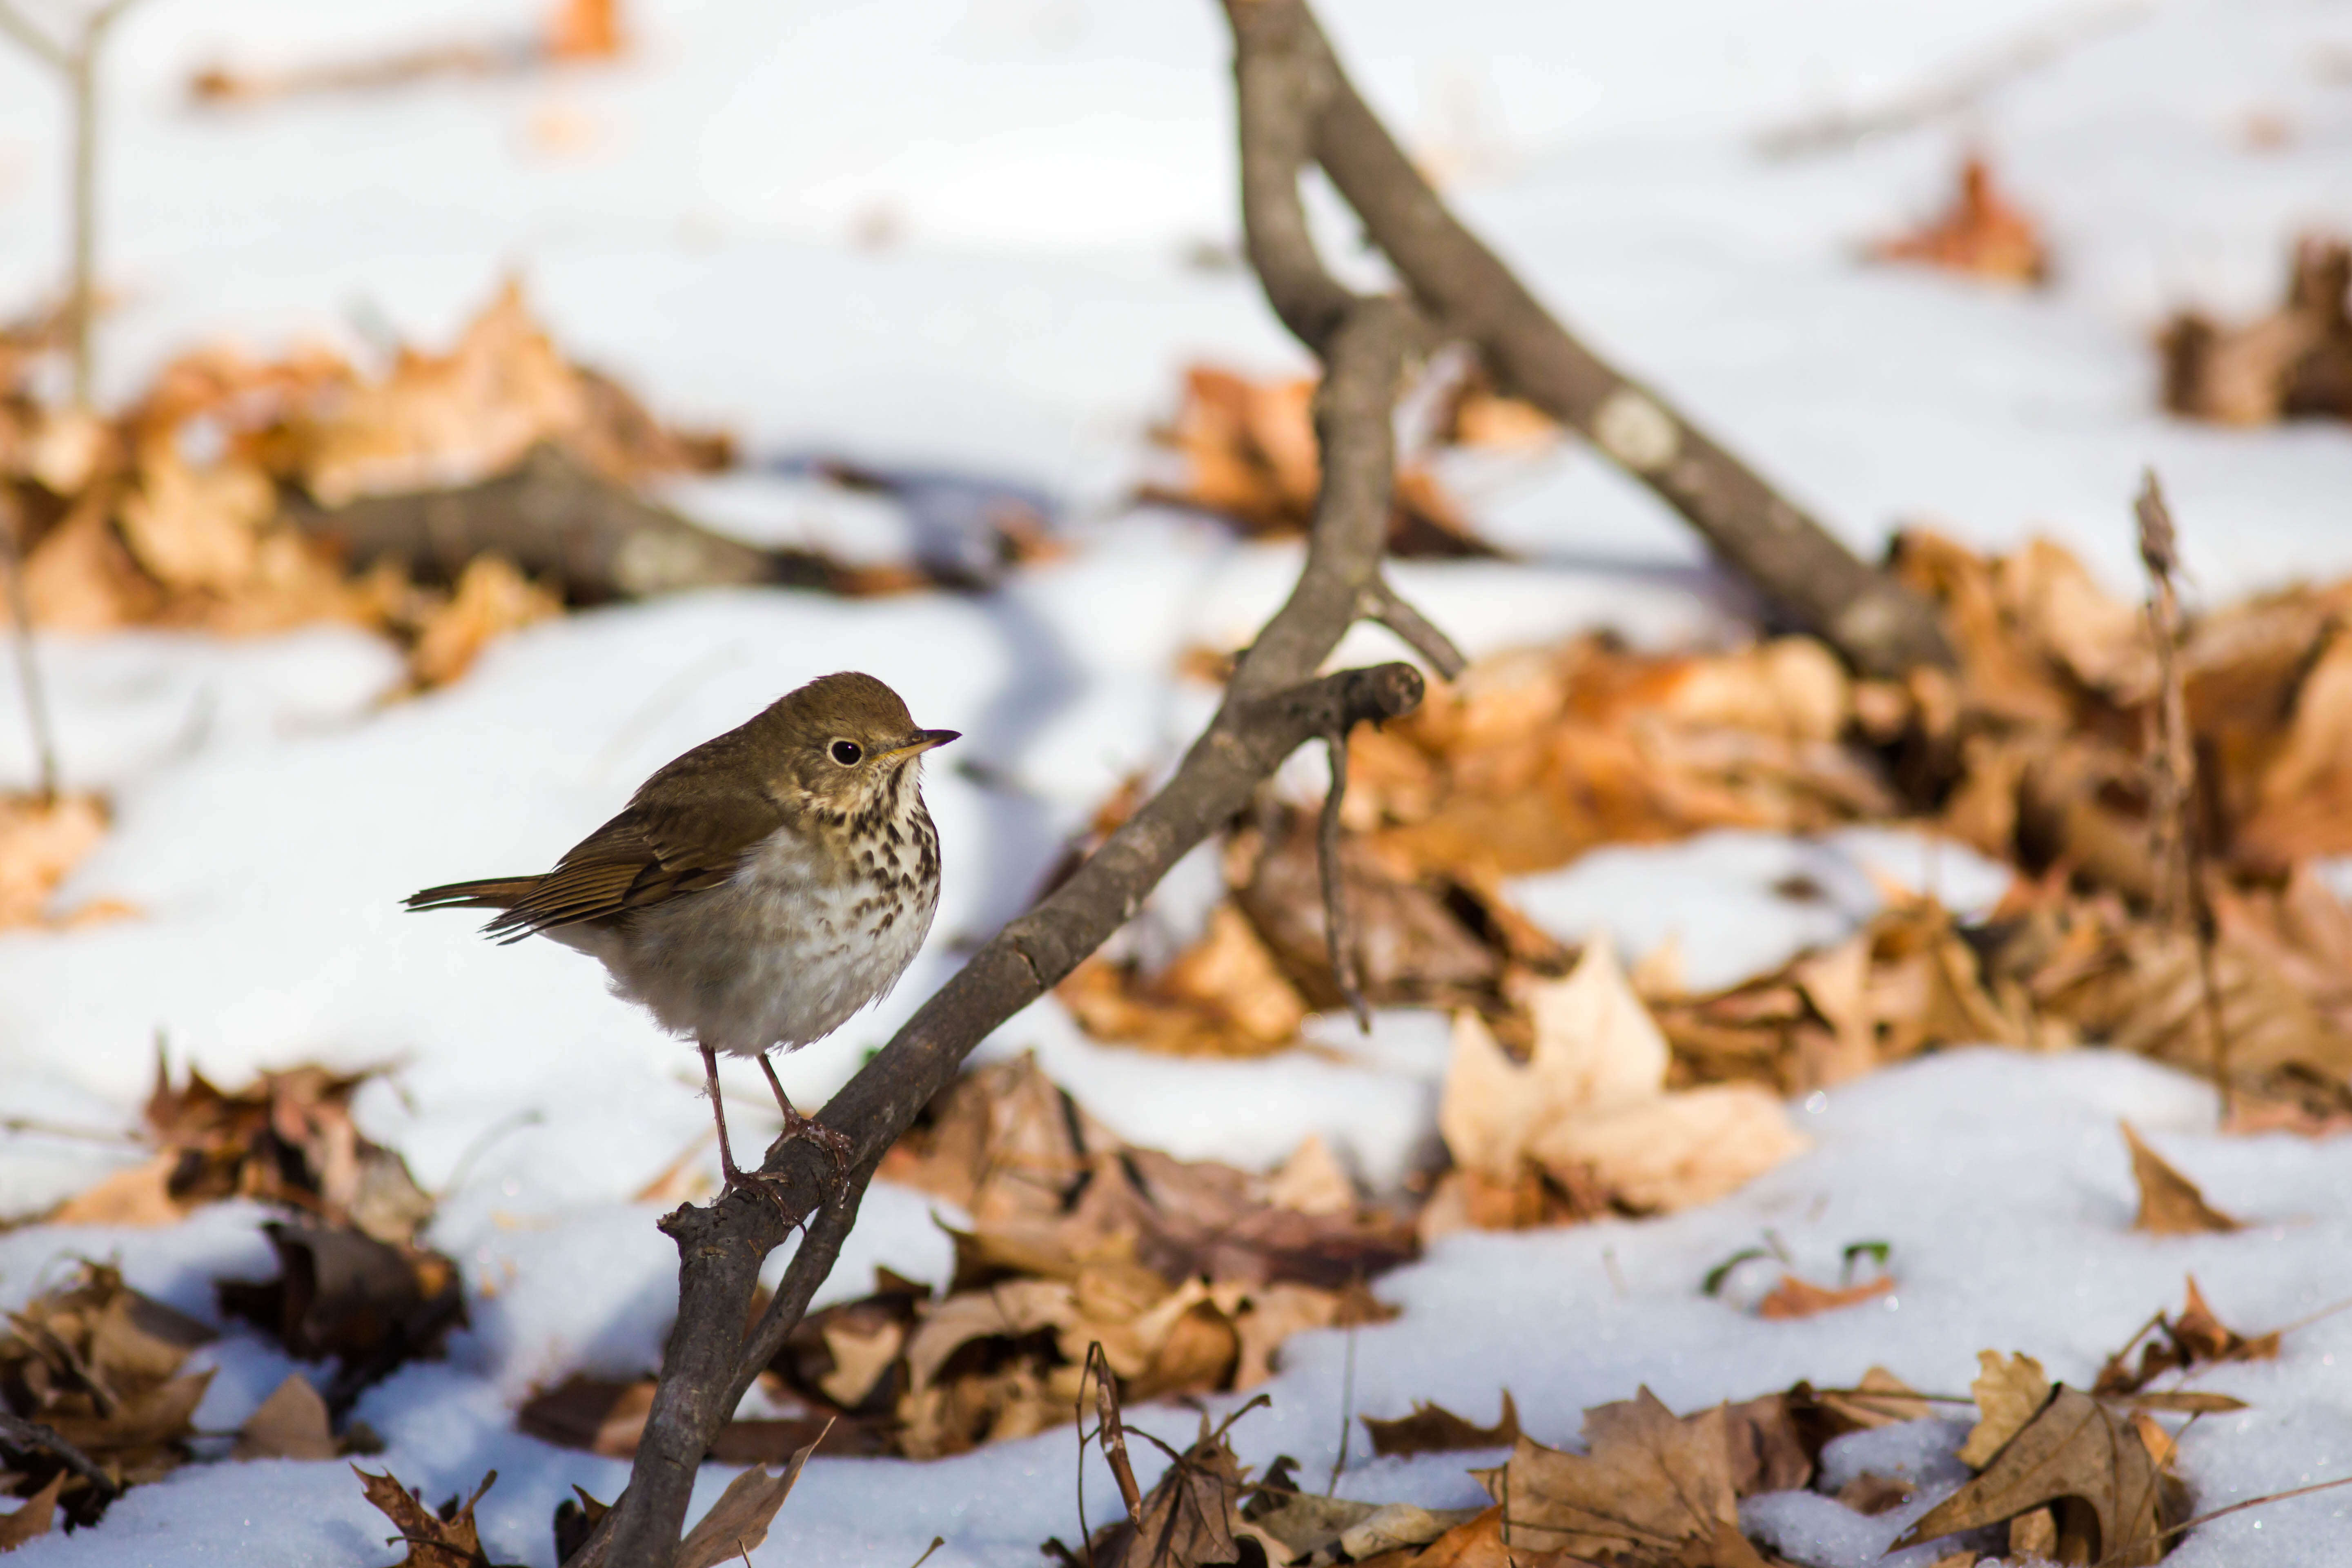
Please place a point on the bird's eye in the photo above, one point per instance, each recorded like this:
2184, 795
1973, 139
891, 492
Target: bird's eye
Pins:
846, 752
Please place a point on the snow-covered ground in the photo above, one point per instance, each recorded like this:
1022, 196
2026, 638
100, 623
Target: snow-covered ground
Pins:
698, 219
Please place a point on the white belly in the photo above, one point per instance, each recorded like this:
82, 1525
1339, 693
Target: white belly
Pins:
774, 957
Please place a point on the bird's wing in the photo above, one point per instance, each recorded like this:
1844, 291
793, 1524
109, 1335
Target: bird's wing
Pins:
654, 851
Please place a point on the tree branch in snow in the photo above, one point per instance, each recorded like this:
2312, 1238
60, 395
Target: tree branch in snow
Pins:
1274, 703
1297, 104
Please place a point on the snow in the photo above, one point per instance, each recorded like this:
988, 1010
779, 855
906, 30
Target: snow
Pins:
966, 237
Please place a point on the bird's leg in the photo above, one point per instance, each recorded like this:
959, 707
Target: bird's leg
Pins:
837, 1143
736, 1175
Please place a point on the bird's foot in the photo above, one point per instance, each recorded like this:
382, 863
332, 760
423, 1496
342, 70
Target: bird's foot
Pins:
758, 1182
835, 1141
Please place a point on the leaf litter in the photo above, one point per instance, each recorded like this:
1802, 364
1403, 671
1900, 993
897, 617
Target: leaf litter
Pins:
2059, 1474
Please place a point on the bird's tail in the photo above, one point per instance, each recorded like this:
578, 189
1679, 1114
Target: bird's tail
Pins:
489, 893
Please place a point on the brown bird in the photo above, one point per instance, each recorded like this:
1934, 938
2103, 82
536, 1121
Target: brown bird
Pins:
756, 891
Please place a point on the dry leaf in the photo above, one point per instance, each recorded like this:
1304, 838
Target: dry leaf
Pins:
135, 1196
1188, 1517
2169, 1202
491, 599
1880, 1399
1649, 1482
33, 1517
341, 1293
40, 844
1982, 234
738, 1520
1590, 1105
1312, 1181
2294, 363
291, 1423
102, 1366
2010, 1390
1795, 1297
1434, 1429
447, 1539
1250, 455
2113, 1501
197, 529
1872, 1493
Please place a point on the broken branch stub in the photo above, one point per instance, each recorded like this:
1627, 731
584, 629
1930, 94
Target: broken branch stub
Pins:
1297, 103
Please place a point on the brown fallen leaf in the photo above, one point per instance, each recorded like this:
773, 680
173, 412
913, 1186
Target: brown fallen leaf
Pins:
291, 1423
1872, 1493
490, 600
40, 844
442, 1539
1188, 1517
34, 1517
1795, 1297
2294, 363
2010, 1391
1592, 1105
137, 1194
2169, 1202
1649, 1482
1434, 1429
738, 1520
1981, 234
576, 1518
1474, 1543
371, 1305
2112, 1501
102, 1366
1249, 455
2195, 1337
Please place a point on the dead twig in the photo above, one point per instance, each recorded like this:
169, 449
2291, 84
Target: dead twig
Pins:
1337, 933
29, 1437
76, 62
2177, 848
1297, 105
29, 669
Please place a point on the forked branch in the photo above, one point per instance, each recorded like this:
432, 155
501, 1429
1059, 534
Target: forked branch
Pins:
1274, 703
1297, 104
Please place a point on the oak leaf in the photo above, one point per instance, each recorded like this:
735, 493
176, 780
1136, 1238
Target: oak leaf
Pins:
2111, 1501
2010, 1390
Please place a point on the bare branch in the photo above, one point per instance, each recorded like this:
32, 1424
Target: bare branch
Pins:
1382, 603
1339, 936
34, 42
1875, 622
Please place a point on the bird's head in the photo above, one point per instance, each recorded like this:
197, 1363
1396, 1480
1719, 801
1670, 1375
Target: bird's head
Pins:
846, 742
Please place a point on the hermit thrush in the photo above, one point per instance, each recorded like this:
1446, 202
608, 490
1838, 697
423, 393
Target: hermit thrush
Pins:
756, 891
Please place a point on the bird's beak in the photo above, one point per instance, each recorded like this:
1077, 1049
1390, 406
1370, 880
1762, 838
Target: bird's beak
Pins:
923, 741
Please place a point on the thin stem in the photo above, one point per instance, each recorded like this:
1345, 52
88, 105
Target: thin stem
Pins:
29, 668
